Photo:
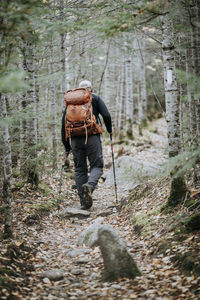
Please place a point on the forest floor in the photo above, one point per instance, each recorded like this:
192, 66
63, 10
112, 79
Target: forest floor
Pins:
43, 261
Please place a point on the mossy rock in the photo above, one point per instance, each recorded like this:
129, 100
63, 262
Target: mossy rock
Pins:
192, 223
138, 193
44, 189
18, 186
166, 209
178, 191
16, 173
164, 245
188, 263
45, 207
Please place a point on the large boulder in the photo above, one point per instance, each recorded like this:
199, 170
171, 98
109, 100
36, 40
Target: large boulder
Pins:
131, 171
118, 262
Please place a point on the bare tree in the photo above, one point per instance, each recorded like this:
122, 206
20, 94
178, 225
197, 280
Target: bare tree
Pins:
30, 103
178, 186
129, 89
53, 107
7, 171
142, 104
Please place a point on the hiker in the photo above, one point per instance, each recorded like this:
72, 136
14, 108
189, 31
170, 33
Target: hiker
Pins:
87, 147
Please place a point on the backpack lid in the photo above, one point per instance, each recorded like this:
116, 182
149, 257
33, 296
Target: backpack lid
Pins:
78, 96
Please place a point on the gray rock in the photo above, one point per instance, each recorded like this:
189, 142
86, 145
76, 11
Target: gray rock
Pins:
77, 252
82, 261
54, 274
74, 212
131, 171
117, 260
77, 272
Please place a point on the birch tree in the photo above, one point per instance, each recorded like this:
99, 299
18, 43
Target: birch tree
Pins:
194, 14
129, 90
122, 108
178, 186
1, 168
194, 10
142, 104
53, 107
30, 144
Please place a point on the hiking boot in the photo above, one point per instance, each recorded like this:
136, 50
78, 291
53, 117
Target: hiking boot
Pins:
87, 195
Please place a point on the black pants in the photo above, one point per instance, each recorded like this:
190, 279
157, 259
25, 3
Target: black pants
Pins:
81, 152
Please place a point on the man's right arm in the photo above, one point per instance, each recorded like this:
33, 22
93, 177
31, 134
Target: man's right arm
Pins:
64, 141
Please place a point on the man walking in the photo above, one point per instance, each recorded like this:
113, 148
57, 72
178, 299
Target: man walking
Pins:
92, 150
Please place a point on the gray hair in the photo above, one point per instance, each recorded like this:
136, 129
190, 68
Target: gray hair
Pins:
85, 84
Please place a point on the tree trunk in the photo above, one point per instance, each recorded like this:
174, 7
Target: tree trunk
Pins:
142, 105
195, 58
194, 69
7, 170
30, 164
63, 68
129, 93
122, 119
1, 169
178, 186
53, 110
107, 51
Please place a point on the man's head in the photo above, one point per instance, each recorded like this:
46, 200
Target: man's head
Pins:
85, 84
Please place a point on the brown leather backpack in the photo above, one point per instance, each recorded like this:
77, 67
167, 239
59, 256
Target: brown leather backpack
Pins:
79, 119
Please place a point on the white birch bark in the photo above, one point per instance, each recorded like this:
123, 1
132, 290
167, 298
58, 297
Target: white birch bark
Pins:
142, 103
106, 87
178, 186
102, 77
63, 68
7, 170
122, 112
37, 107
53, 109
170, 84
30, 163
67, 61
117, 107
129, 92
180, 58
136, 60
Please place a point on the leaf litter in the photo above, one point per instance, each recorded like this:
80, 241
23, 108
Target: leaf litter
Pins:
43, 260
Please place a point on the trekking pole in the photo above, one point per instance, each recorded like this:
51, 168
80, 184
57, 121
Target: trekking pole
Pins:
113, 163
60, 187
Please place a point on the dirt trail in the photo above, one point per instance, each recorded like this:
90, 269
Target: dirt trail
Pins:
56, 241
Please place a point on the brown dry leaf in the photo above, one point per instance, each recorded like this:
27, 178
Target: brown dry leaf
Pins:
19, 243
133, 296
194, 192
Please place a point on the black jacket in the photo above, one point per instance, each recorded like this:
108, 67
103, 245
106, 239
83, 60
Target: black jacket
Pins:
99, 107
